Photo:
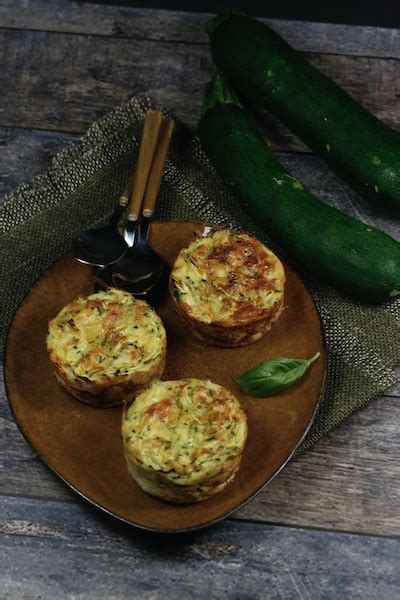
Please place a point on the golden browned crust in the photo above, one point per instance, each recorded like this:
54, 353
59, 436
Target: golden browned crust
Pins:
107, 347
183, 440
237, 270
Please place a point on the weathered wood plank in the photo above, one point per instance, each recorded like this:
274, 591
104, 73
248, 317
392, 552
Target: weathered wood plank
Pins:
125, 21
26, 153
59, 550
349, 481
394, 392
63, 82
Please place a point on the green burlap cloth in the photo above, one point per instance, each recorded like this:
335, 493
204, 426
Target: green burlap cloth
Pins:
80, 189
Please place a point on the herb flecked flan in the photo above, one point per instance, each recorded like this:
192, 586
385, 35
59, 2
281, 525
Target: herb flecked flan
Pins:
228, 287
183, 440
106, 347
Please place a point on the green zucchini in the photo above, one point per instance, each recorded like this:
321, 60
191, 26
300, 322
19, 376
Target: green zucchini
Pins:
355, 258
362, 150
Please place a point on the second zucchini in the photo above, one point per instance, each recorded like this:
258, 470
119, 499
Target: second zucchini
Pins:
357, 259
265, 69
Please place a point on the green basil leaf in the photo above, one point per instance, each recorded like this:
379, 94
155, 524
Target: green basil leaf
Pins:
274, 375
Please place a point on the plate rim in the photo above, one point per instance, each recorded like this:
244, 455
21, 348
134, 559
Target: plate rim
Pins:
109, 512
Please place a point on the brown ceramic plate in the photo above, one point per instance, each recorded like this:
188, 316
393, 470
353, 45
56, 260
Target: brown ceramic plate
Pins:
82, 444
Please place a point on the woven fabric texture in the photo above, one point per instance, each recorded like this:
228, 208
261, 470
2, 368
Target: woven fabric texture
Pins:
39, 221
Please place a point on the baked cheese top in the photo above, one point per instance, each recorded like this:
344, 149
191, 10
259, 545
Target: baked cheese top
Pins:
227, 277
186, 429
105, 335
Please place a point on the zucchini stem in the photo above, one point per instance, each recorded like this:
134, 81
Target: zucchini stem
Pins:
218, 91
216, 21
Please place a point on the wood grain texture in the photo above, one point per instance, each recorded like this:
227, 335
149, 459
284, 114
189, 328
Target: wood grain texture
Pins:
351, 478
67, 551
348, 482
26, 153
125, 21
63, 82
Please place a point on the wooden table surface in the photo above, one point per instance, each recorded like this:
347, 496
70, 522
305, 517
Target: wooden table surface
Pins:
328, 525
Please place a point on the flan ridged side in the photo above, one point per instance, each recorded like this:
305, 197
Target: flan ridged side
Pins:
183, 440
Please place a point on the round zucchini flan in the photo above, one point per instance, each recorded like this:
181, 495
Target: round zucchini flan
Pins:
228, 287
106, 347
183, 440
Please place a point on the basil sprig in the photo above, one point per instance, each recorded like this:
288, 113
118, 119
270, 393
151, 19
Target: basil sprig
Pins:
274, 375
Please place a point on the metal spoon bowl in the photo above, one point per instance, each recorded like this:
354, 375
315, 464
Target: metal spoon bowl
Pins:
139, 269
103, 245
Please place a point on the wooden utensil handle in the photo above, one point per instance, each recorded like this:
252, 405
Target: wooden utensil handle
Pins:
148, 143
126, 194
157, 168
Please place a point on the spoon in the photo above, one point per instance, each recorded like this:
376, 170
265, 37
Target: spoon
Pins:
148, 143
140, 268
102, 245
